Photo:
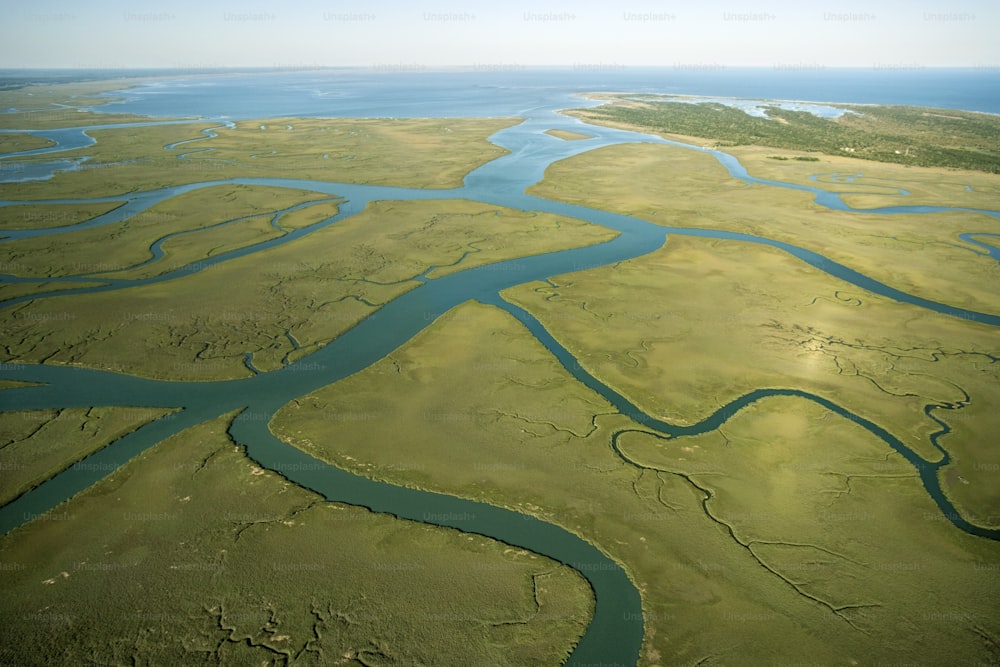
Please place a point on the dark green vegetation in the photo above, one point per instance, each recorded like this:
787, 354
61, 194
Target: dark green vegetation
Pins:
906, 135
800, 158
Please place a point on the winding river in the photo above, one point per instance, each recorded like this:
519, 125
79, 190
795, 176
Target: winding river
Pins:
615, 633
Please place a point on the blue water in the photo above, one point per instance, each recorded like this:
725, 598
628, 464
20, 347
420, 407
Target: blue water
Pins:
361, 92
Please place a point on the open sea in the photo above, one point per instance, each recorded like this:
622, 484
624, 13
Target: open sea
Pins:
395, 92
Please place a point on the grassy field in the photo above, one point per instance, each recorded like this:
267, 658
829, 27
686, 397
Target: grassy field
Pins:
191, 554
36, 444
568, 135
13, 142
190, 249
123, 160
14, 290
788, 560
291, 299
877, 182
905, 135
423, 153
45, 216
918, 254
121, 245
46, 106
12, 384
699, 323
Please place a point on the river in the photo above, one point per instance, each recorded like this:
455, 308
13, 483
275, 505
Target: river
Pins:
615, 633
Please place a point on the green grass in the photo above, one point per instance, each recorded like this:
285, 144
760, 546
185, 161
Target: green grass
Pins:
54, 118
905, 135
36, 444
568, 135
918, 254
191, 554
46, 106
44, 216
875, 184
199, 327
11, 143
423, 153
824, 516
14, 290
673, 331
191, 249
12, 384
120, 245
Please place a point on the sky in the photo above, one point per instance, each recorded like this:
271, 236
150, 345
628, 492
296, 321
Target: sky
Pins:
394, 34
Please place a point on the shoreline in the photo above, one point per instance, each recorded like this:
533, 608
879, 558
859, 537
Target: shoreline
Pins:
606, 97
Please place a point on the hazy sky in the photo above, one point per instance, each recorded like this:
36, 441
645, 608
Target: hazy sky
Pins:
394, 33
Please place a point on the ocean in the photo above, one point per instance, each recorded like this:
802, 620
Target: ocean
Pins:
395, 92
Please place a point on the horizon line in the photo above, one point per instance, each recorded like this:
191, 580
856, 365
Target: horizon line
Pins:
401, 67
